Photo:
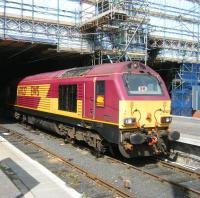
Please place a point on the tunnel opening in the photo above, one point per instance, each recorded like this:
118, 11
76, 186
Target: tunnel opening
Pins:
20, 59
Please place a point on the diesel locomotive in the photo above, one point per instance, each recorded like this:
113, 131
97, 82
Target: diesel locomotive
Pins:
124, 105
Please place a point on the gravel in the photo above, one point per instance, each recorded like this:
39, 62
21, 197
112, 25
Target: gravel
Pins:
142, 186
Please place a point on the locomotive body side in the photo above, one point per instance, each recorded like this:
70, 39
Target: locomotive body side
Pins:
42, 98
124, 104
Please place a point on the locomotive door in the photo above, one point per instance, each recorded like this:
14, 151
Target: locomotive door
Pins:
89, 100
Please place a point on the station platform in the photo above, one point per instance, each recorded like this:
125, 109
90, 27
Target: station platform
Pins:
189, 129
20, 176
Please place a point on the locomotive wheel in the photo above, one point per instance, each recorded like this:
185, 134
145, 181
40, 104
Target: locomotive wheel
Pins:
69, 140
125, 153
113, 149
97, 153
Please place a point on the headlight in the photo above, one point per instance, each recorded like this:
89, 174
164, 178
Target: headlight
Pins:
166, 119
129, 121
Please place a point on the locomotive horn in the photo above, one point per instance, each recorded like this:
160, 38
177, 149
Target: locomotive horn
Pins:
137, 138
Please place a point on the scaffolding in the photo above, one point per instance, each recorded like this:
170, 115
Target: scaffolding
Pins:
176, 34
118, 29
186, 90
110, 30
30, 22
172, 28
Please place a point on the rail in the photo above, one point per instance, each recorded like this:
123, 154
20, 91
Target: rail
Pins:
176, 169
109, 186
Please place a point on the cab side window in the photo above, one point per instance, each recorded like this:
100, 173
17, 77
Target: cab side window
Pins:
100, 87
68, 98
100, 93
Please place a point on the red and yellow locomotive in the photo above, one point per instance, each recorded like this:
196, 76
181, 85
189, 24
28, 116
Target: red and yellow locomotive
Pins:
123, 104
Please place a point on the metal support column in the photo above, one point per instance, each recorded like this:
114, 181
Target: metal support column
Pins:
33, 23
4, 23
58, 25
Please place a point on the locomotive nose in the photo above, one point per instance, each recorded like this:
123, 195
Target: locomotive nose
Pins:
174, 135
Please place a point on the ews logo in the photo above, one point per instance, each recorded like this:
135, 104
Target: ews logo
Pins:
35, 91
28, 91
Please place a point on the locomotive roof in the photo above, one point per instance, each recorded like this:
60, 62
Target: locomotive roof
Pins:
102, 69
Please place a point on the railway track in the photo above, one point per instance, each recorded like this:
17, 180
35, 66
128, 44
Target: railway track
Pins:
164, 171
99, 181
173, 174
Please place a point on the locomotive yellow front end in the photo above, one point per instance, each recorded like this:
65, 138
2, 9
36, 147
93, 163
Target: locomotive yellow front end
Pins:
144, 114
144, 127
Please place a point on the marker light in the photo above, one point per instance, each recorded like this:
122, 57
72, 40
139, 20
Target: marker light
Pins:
129, 121
166, 119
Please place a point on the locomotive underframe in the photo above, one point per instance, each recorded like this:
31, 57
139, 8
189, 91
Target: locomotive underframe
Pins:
84, 131
69, 132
